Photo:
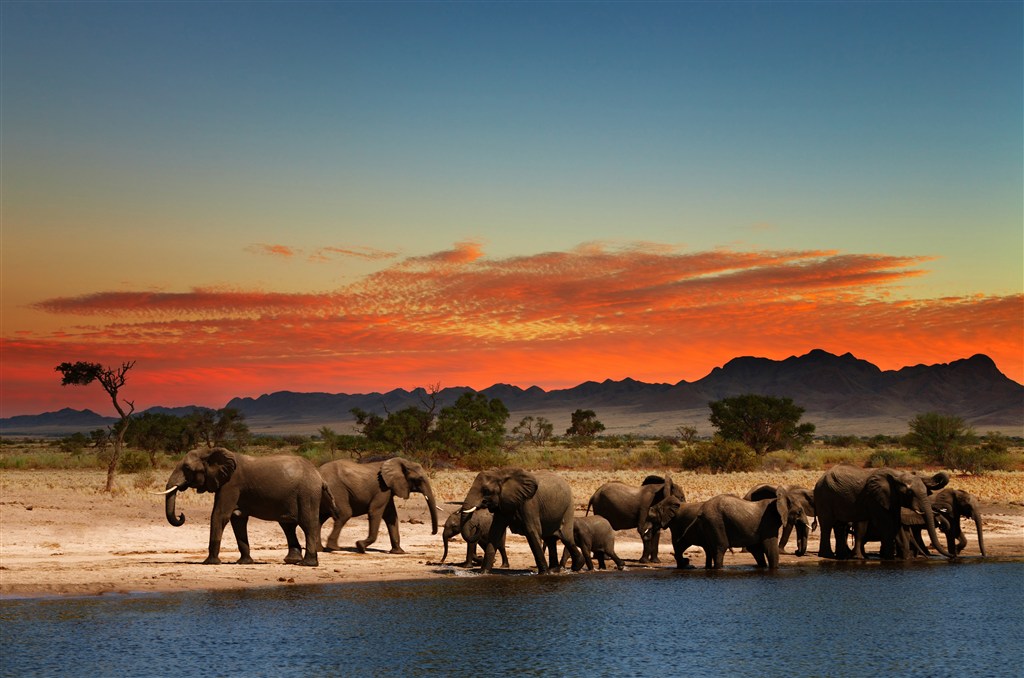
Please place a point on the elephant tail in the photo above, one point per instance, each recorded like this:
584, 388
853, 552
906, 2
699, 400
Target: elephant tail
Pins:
327, 503
590, 505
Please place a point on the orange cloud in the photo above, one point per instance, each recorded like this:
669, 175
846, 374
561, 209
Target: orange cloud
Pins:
273, 250
368, 253
553, 319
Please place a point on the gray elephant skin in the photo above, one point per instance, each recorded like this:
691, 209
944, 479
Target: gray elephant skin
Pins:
594, 536
727, 521
846, 495
799, 496
626, 508
370, 490
282, 488
537, 505
949, 506
474, 532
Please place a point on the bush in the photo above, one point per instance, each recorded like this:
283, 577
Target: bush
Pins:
991, 455
484, 459
719, 456
939, 438
133, 461
892, 458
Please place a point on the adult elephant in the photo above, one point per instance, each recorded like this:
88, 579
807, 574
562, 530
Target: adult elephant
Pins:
799, 496
538, 505
949, 506
626, 507
474, 531
680, 519
846, 495
283, 488
370, 490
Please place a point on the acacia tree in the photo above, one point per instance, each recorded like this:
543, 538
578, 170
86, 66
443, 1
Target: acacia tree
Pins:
762, 422
585, 425
112, 380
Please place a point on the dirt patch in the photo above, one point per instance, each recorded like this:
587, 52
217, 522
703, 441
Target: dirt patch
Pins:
61, 535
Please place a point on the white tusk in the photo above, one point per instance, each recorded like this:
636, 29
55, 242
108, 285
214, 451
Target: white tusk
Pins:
168, 491
469, 510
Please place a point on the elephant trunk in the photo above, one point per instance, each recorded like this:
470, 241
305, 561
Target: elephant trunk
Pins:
977, 524
174, 484
929, 521
432, 505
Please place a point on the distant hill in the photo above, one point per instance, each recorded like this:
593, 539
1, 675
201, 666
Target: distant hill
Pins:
841, 394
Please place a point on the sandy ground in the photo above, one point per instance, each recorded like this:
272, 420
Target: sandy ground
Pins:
60, 535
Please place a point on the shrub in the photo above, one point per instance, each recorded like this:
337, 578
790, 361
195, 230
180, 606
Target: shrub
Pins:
939, 437
892, 457
719, 456
133, 461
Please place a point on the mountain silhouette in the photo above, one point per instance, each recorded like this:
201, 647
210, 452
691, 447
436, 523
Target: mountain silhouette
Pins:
840, 394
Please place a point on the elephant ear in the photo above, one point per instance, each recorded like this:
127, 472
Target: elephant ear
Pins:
911, 517
220, 464
392, 475
879, 487
762, 492
782, 505
516, 488
936, 482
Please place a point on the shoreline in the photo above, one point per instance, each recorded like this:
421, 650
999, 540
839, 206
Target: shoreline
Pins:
60, 536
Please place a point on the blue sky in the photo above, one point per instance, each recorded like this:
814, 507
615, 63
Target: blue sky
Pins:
174, 138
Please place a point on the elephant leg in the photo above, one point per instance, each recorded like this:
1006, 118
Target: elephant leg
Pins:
240, 526
551, 544
718, 557
770, 552
391, 521
217, 524
580, 557
537, 547
615, 559
374, 515
825, 543
504, 553
802, 531
758, 553
294, 550
344, 513
787, 529
842, 533
470, 555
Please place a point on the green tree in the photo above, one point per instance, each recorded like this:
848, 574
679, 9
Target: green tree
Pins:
763, 423
330, 439
534, 430
155, 432
585, 425
939, 437
475, 423
224, 428
112, 380
406, 431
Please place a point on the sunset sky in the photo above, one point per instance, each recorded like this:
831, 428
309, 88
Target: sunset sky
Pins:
346, 197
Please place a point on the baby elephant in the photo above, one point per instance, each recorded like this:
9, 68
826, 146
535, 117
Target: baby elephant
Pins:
475, 531
594, 534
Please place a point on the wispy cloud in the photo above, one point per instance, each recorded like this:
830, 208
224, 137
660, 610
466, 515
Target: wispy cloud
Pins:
553, 318
271, 250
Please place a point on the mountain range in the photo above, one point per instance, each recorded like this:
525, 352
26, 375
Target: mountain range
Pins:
840, 394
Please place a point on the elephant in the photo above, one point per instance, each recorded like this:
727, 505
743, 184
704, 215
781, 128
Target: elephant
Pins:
948, 507
370, 489
474, 531
846, 495
538, 505
626, 507
727, 521
680, 519
796, 495
594, 535
282, 488
952, 505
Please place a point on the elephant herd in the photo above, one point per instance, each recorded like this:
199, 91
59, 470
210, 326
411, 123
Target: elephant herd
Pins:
892, 507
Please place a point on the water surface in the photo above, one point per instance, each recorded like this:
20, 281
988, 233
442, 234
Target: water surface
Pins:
838, 619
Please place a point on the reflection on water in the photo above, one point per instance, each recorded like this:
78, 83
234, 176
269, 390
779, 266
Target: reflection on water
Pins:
928, 619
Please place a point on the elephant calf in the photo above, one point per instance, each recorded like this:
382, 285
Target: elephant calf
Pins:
594, 535
474, 531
